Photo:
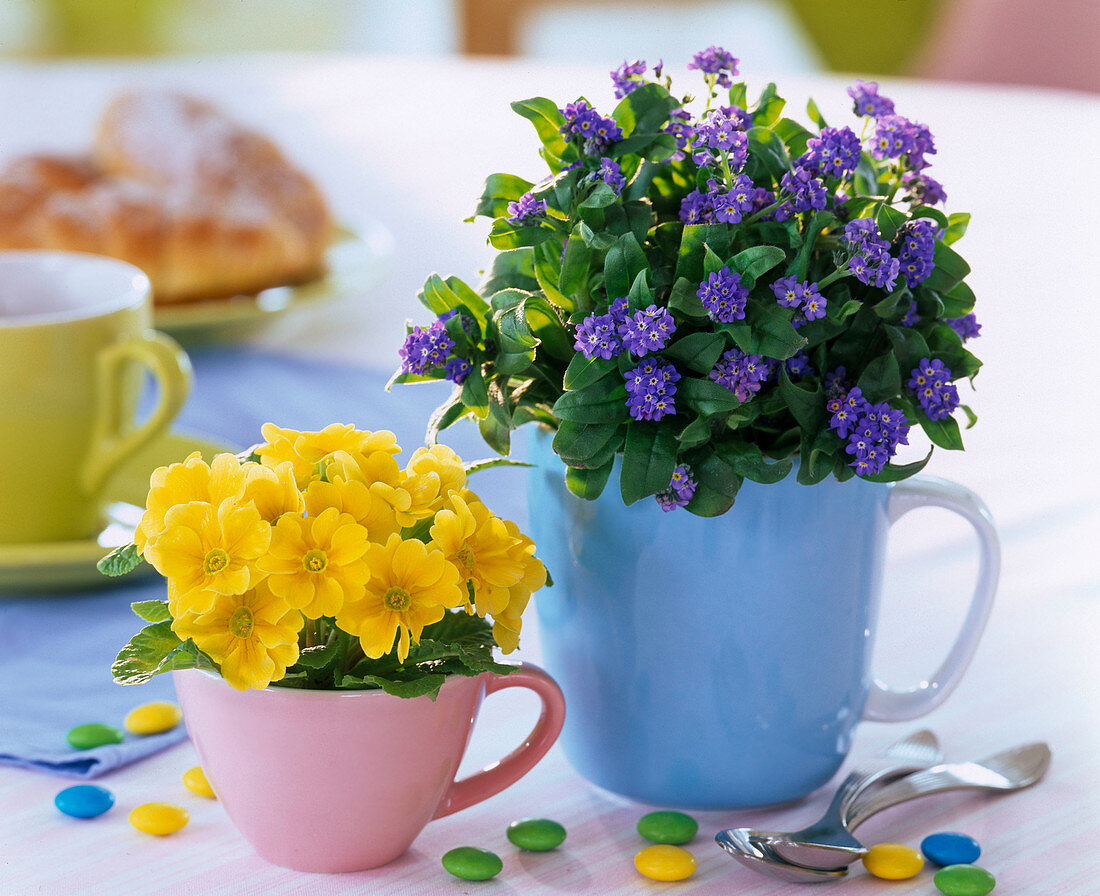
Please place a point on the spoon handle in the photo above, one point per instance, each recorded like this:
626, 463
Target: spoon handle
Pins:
1009, 770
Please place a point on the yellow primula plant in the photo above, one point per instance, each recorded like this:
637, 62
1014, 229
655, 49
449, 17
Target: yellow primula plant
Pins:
315, 560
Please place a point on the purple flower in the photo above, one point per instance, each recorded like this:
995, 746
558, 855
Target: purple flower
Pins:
619, 311
743, 118
871, 261
715, 61
791, 294
809, 191
720, 133
425, 348
923, 190
967, 327
729, 207
893, 137
628, 77
612, 175
457, 369
846, 409
651, 388
835, 153
585, 123
697, 208
799, 365
679, 125
647, 331
597, 337
786, 292
836, 383
527, 211
911, 318
918, 246
742, 374
813, 302
873, 431
723, 296
867, 100
931, 382
680, 489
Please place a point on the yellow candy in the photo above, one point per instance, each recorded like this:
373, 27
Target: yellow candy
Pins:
159, 818
194, 779
665, 862
153, 718
893, 861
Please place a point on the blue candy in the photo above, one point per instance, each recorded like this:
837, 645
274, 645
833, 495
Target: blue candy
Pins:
950, 848
84, 801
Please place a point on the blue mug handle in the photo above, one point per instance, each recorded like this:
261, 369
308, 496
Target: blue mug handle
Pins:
885, 704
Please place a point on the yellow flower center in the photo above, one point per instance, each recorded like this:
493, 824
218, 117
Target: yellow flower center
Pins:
396, 599
466, 557
215, 561
315, 561
241, 622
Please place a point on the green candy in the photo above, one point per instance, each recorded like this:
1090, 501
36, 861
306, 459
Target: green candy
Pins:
536, 834
667, 827
964, 880
94, 734
471, 863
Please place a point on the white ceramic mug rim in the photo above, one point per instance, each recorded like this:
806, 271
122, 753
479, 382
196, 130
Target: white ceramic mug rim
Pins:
131, 287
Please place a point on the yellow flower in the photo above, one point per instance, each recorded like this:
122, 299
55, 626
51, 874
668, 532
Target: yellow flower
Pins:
410, 585
316, 563
191, 480
206, 550
481, 548
508, 621
442, 461
252, 636
358, 499
312, 453
272, 490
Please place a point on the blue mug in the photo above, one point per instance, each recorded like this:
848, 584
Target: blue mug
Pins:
723, 663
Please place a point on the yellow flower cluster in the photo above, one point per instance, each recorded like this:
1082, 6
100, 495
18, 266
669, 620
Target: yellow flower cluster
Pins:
328, 525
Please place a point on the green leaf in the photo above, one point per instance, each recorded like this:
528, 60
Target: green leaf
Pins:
516, 343
793, 134
152, 610
958, 302
588, 484
944, 433
956, 227
815, 114
769, 333
816, 456
712, 263
573, 278
705, 397
756, 261
768, 107
586, 445
950, 269
583, 371
506, 235
890, 221
488, 463
319, 657
544, 115
474, 395
693, 245
155, 649
120, 561
602, 402
649, 460
807, 406
696, 351
767, 147
684, 298
496, 436
500, 189
426, 685
894, 472
696, 433
716, 486
645, 109
625, 260
747, 461
909, 346
511, 269
881, 379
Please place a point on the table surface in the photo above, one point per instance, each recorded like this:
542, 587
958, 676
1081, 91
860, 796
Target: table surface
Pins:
408, 143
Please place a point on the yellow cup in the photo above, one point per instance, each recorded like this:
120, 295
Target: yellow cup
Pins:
75, 341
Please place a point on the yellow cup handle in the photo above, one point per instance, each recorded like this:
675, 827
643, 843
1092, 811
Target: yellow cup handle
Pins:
113, 440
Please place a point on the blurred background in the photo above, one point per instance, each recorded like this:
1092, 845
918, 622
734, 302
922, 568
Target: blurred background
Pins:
1051, 43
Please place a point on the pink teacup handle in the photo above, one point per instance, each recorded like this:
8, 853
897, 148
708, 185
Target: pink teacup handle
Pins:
494, 778
889, 705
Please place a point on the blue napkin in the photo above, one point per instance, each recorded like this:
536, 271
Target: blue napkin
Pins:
56, 650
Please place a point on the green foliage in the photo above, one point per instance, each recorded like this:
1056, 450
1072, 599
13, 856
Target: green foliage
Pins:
120, 561
597, 243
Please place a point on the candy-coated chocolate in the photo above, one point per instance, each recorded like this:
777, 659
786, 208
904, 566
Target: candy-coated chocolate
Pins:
152, 718
663, 861
93, 734
667, 827
893, 861
950, 848
536, 834
472, 863
194, 779
964, 880
84, 801
159, 818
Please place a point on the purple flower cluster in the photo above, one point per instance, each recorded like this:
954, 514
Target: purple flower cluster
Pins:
936, 395
680, 489
742, 374
651, 388
873, 431
918, 247
585, 123
715, 61
426, 347
628, 77
527, 210
724, 296
911, 318
791, 294
598, 334
732, 205
612, 175
871, 261
679, 125
739, 115
799, 365
457, 369
923, 190
835, 153
967, 327
896, 135
867, 101
808, 191
647, 331
720, 133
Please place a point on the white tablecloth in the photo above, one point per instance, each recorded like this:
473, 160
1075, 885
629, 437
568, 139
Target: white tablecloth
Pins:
408, 143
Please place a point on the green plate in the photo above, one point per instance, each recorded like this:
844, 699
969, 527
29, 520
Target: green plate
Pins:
71, 565
357, 262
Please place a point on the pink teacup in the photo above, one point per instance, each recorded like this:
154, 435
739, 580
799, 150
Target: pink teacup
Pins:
346, 780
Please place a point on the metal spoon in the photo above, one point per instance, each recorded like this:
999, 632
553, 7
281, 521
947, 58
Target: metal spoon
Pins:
1012, 769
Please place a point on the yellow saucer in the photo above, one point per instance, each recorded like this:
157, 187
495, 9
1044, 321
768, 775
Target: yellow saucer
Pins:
358, 261
70, 565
